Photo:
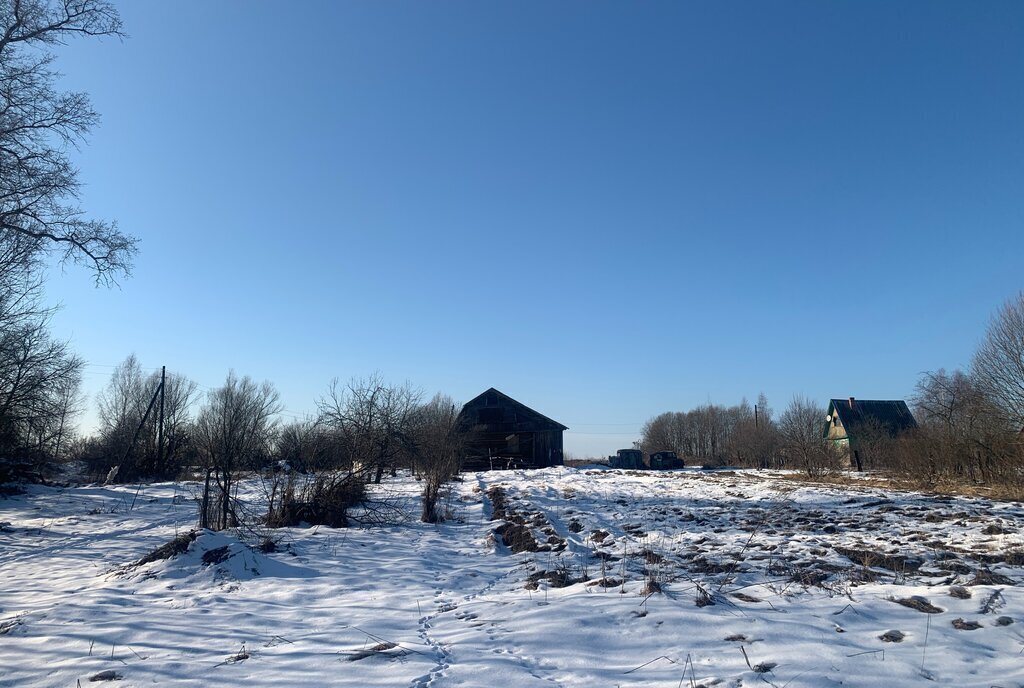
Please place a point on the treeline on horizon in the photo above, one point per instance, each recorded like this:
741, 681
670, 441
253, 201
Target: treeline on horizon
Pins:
969, 422
970, 425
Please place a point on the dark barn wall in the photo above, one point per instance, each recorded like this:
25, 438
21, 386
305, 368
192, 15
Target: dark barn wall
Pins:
504, 433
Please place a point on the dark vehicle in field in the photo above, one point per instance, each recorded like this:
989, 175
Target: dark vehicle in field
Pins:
627, 458
665, 460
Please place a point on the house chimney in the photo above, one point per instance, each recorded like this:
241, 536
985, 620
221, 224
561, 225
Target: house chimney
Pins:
851, 402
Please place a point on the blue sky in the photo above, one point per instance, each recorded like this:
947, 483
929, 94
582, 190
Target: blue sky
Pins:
606, 210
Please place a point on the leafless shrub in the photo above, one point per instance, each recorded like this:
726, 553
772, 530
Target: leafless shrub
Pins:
322, 499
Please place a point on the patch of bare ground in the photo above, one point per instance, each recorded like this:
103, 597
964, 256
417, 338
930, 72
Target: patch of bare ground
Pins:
920, 604
745, 598
216, 556
557, 578
634, 529
959, 592
986, 577
9, 625
178, 545
961, 625
809, 577
651, 557
370, 652
517, 537
1013, 558
939, 488
702, 565
873, 559
516, 532
499, 499
108, 675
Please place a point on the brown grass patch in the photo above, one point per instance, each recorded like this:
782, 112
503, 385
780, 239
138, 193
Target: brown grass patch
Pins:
920, 604
517, 538
961, 625
178, 545
872, 559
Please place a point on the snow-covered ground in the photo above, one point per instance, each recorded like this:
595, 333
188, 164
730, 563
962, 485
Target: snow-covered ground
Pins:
761, 581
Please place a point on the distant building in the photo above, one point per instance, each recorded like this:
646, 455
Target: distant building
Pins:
504, 433
851, 424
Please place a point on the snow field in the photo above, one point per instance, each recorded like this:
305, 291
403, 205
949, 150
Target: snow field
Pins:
798, 583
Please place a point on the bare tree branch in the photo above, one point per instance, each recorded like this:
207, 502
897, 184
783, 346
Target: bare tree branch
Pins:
39, 187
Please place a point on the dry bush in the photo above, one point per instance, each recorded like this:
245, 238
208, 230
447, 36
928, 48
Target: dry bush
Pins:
323, 499
929, 458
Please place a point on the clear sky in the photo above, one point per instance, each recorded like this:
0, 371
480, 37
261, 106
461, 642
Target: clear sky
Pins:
605, 210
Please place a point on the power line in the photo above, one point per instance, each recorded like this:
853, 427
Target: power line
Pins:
604, 424
573, 432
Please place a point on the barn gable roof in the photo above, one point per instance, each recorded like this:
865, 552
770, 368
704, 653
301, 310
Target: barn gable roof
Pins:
893, 415
480, 400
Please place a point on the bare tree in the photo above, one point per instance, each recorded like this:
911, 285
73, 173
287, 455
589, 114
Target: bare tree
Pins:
964, 435
754, 438
998, 365
712, 434
120, 407
437, 449
39, 187
233, 431
305, 445
373, 420
39, 376
129, 438
39, 379
800, 429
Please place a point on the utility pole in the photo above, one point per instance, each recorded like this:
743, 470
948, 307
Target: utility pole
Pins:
128, 451
755, 416
160, 432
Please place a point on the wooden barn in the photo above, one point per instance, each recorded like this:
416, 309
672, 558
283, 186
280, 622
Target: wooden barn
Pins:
852, 424
503, 433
